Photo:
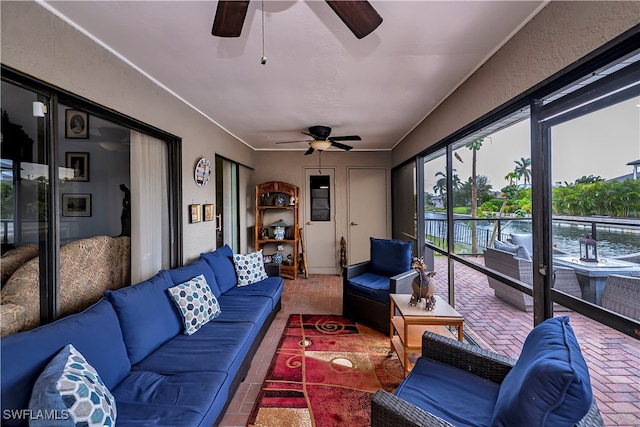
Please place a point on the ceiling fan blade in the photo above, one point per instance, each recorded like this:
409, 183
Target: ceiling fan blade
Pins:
229, 18
309, 151
358, 15
291, 142
345, 138
341, 146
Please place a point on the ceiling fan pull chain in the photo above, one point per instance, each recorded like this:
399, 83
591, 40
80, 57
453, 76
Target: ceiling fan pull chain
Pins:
263, 60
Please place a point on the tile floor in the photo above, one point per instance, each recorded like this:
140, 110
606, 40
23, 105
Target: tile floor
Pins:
613, 358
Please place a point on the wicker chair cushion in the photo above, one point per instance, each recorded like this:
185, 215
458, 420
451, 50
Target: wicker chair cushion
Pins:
461, 398
390, 257
549, 384
524, 239
371, 286
518, 250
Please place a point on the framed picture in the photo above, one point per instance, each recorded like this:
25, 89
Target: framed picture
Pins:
76, 124
195, 212
79, 162
208, 212
76, 205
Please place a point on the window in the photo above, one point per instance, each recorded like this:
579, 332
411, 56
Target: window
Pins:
320, 199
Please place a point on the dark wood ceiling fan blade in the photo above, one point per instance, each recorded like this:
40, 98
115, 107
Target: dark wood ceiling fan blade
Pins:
345, 138
309, 151
291, 142
229, 18
358, 15
341, 146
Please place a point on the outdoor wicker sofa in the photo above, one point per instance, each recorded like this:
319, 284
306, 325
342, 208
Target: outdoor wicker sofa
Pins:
389, 409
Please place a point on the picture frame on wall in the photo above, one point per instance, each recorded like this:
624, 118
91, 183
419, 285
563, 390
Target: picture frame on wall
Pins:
195, 213
76, 124
76, 205
79, 163
208, 211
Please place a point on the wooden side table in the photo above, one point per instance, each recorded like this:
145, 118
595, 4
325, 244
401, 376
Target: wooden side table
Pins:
408, 325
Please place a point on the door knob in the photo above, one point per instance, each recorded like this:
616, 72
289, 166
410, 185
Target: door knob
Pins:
353, 223
308, 222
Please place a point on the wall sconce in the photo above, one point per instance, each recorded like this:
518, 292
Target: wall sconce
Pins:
588, 249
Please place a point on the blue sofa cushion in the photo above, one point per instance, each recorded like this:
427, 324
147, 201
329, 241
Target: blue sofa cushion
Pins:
238, 308
149, 398
96, 334
390, 257
271, 287
189, 271
549, 384
370, 285
147, 315
70, 385
195, 302
249, 268
221, 263
462, 398
216, 347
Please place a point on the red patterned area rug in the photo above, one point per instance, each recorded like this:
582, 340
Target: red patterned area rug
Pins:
324, 372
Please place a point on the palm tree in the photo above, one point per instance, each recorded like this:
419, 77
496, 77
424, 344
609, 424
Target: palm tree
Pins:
523, 169
474, 146
441, 186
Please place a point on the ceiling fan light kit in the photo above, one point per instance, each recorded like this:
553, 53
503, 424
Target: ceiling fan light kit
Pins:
320, 145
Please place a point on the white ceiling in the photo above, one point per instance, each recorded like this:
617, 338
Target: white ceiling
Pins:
317, 73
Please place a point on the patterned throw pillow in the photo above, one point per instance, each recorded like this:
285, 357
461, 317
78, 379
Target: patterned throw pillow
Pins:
249, 268
196, 303
69, 392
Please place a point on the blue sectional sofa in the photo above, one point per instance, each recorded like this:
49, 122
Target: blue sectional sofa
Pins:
133, 338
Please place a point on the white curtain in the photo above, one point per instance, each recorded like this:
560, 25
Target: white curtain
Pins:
149, 206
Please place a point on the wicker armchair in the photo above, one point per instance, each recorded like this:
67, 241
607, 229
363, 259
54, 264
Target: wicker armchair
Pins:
388, 410
366, 286
622, 295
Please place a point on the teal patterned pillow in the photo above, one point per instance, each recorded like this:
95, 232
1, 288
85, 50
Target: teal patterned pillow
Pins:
196, 303
72, 393
249, 268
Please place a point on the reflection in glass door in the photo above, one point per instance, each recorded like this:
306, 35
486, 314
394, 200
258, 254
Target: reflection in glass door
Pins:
227, 230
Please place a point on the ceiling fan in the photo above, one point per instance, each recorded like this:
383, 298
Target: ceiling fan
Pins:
358, 15
321, 139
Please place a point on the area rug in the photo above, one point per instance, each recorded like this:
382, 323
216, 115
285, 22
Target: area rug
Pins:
323, 374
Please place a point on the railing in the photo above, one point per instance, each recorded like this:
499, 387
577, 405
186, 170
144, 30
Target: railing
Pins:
617, 236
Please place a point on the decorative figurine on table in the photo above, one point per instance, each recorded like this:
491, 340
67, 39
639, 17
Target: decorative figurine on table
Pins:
279, 200
423, 285
279, 229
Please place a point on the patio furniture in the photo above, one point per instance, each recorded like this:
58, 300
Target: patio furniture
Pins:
458, 384
592, 276
622, 295
510, 264
366, 286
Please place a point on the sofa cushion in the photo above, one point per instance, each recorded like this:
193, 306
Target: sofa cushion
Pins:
370, 285
96, 334
271, 287
147, 315
221, 263
390, 257
549, 384
249, 268
518, 250
461, 398
70, 385
239, 308
195, 302
217, 347
189, 271
149, 398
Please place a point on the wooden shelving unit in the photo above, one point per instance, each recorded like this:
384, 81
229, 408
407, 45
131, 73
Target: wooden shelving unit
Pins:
269, 211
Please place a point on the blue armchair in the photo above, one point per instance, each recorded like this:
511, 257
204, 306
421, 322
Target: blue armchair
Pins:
366, 286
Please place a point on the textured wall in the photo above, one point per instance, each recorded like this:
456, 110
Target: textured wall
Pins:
562, 33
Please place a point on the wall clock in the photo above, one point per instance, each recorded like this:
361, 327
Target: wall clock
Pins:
202, 172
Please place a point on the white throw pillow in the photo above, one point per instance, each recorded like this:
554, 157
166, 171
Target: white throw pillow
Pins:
196, 303
249, 268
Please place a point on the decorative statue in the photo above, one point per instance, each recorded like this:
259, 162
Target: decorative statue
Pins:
125, 217
423, 285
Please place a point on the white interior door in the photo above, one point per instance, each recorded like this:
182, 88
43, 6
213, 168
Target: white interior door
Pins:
367, 210
319, 221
